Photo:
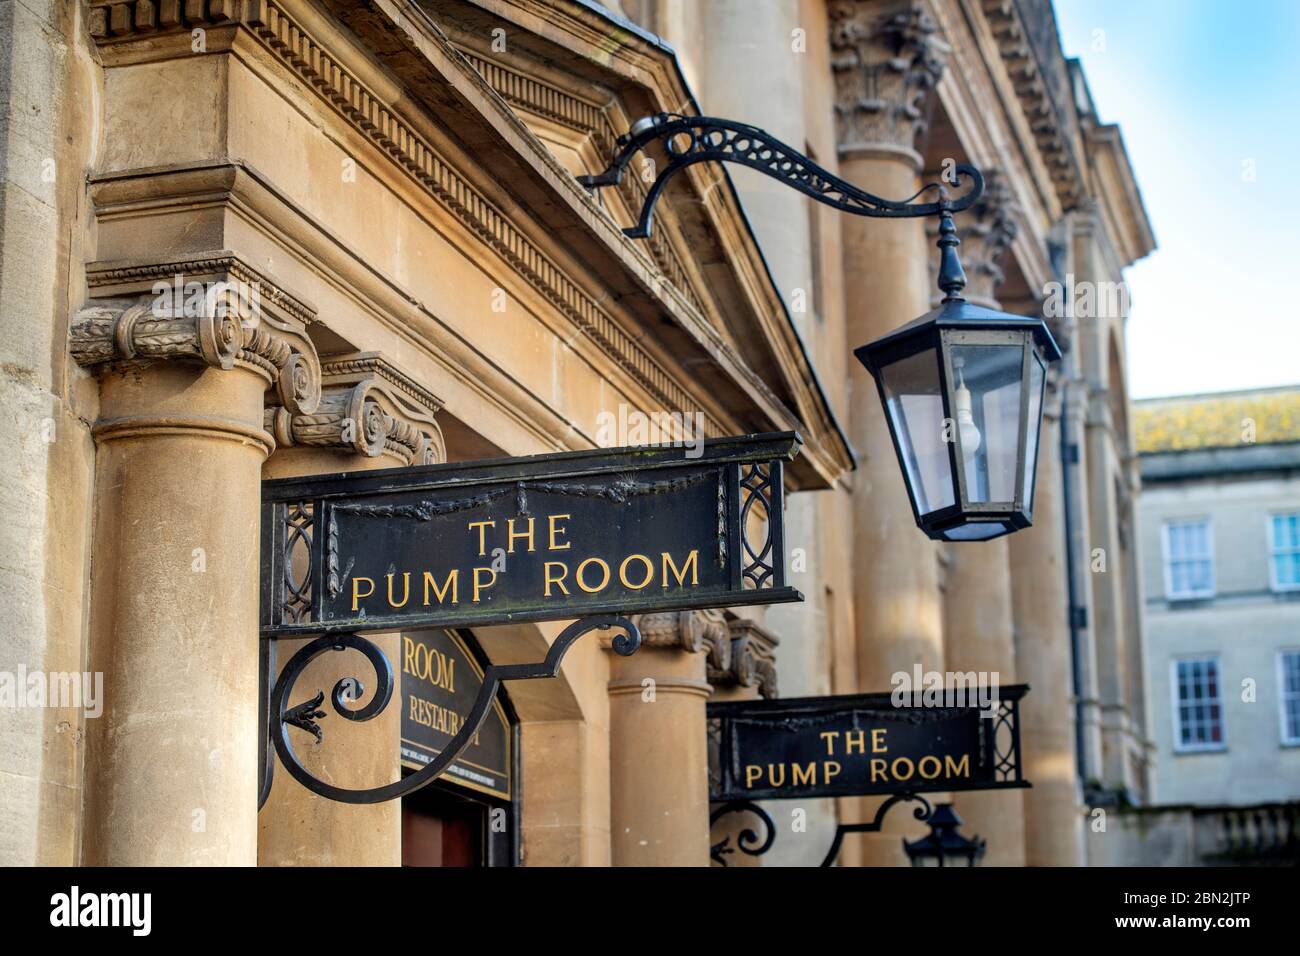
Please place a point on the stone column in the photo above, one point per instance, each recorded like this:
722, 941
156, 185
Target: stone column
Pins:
171, 766
742, 667
659, 788
978, 630
886, 61
1053, 820
370, 416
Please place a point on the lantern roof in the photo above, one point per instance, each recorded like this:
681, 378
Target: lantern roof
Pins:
956, 313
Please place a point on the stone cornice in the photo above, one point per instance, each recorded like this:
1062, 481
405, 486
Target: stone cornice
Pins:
690, 632
1036, 100
752, 659
886, 64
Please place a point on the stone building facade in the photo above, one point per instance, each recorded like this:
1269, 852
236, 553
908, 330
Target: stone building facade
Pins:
378, 256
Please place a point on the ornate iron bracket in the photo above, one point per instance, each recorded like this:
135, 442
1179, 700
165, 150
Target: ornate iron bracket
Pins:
921, 813
747, 841
688, 140
278, 715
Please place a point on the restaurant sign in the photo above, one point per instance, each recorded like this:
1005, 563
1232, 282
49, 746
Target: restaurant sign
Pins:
549, 537
857, 745
440, 683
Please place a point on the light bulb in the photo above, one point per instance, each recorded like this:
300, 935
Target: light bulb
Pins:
970, 434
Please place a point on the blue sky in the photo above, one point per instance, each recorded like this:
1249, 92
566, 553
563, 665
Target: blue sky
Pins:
1207, 93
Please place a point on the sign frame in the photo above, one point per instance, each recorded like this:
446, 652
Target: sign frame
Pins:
725, 717
301, 552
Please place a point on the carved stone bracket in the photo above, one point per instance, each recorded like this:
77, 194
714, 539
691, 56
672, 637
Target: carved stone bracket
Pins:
885, 66
368, 407
752, 658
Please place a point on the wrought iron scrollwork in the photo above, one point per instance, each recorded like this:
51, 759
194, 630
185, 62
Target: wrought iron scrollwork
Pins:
697, 139
756, 491
921, 813
281, 715
747, 841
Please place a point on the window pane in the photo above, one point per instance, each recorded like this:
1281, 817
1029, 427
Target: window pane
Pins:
915, 410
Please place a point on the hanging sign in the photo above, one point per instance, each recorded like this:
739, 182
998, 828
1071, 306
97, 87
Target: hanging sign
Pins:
864, 744
550, 537
440, 680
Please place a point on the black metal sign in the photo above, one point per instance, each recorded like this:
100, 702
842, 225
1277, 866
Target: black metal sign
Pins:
549, 537
440, 682
862, 744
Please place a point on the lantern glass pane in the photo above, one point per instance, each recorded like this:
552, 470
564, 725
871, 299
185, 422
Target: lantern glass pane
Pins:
914, 404
1037, 376
986, 405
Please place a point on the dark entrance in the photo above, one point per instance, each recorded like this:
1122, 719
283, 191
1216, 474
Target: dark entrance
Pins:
467, 817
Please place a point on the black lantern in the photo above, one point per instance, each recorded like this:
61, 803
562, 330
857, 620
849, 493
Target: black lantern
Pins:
944, 846
962, 389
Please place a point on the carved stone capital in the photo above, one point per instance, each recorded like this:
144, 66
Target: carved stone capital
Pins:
752, 659
987, 231
690, 631
885, 65
208, 308
368, 407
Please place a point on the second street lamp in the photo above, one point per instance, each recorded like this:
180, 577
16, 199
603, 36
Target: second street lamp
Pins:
962, 386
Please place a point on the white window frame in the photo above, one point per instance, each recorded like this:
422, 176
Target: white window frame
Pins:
1273, 552
1281, 696
1169, 582
1177, 727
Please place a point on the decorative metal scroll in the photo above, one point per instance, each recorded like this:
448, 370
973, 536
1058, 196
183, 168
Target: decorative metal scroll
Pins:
921, 813
747, 841
279, 715
688, 140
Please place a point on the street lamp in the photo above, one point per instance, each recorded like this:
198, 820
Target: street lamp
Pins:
944, 845
962, 386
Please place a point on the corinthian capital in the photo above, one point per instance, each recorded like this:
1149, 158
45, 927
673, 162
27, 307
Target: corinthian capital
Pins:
885, 65
368, 407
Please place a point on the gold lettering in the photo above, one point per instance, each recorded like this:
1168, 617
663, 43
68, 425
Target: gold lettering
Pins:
830, 768
938, 767
804, 777
774, 778
554, 531
957, 769
479, 585
691, 565
878, 741
482, 534
877, 768
910, 769
406, 589
558, 582
356, 594
513, 534
453, 578
649, 571
752, 773
829, 736
408, 655
603, 581
855, 738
